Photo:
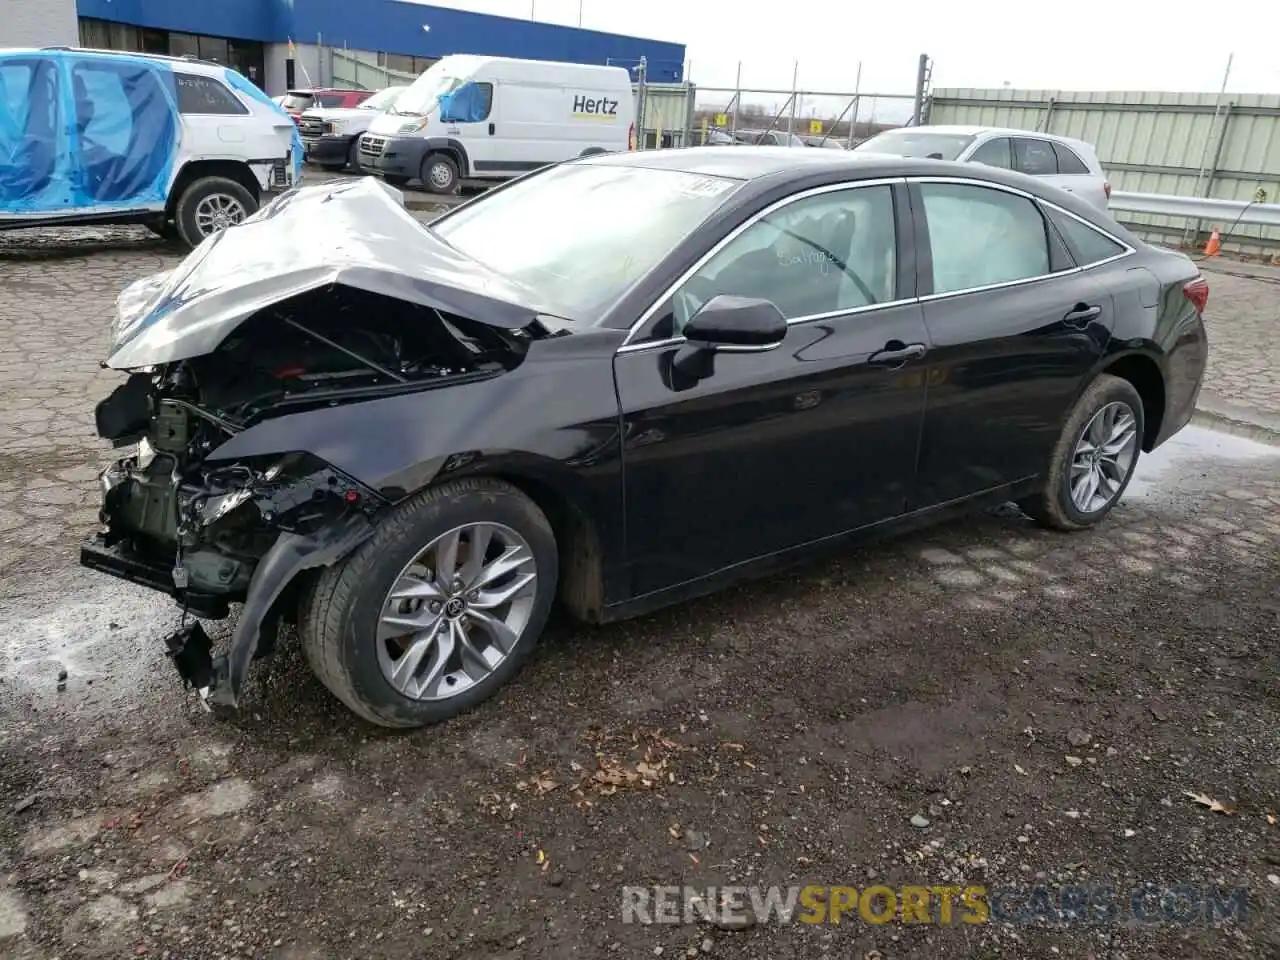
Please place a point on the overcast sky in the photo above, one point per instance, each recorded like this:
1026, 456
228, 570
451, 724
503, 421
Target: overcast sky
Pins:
1084, 45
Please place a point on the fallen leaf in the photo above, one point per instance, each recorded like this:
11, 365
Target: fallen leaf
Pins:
542, 857
728, 745
694, 858
1215, 806
1271, 819
748, 763
1018, 770
803, 860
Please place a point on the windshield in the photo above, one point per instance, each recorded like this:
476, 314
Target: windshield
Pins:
917, 143
297, 101
579, 235
383, 98
421, 96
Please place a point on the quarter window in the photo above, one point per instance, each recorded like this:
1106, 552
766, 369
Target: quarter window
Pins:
198, 94
1035, 157
823, 254
1087, 244
980, 236
1068, 162
994, 153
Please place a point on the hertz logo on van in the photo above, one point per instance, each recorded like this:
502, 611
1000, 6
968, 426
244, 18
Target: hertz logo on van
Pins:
594, 108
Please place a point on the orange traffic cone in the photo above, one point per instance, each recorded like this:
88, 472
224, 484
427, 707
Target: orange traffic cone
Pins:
1214, 246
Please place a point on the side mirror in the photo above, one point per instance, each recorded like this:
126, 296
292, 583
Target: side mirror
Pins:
723, 323
729, 321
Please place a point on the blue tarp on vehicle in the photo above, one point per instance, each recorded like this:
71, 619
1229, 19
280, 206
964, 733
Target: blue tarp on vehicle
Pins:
241, 83
80, 132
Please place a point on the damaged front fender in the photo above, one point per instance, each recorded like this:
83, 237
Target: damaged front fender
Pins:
291, 554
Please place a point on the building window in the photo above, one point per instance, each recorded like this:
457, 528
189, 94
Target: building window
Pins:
404, 64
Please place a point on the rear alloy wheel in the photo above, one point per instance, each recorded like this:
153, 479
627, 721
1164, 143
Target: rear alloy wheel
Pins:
438, 609
440, 173
1094, 458
210, 205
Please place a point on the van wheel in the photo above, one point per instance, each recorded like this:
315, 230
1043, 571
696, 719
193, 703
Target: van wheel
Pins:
353, 155
440, 173
210, 205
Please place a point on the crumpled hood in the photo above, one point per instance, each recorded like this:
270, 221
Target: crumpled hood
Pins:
356, 233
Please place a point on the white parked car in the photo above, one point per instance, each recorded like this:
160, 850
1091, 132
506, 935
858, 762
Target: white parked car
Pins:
185, 147
1063, 161
491, 118
331, 135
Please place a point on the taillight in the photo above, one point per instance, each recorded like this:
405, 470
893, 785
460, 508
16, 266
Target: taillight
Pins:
631, 137
1106, 188
1197, 291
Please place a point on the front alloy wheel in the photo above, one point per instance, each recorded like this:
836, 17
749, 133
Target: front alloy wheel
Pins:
438, 608
456, 611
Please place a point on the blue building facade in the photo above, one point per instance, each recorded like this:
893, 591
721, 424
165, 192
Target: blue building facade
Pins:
248, 31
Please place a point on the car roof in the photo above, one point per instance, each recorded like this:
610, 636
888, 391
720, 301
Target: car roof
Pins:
753, 162
968, 130
781, 164
191, 63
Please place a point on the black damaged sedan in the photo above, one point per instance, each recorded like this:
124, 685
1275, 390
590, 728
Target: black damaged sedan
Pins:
614, 383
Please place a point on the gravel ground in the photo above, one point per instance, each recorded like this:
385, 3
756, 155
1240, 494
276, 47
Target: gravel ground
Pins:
981, 704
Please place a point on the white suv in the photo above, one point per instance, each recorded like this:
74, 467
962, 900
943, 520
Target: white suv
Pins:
183, 146
1065, 162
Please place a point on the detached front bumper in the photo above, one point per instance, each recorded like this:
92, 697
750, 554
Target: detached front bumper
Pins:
208, 543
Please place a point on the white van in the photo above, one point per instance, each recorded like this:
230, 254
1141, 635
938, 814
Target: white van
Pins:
489, 118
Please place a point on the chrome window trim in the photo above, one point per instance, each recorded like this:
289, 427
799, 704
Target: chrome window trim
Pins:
1127, 250
741, 228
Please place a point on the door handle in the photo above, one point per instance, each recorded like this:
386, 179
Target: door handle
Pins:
896, 353
1082, 315
492, 129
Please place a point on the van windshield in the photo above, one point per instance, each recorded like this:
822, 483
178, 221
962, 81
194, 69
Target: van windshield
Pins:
578, 235
422, 95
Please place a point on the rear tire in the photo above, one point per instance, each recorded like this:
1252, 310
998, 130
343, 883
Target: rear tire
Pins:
342, 622
1110, 412
196, 213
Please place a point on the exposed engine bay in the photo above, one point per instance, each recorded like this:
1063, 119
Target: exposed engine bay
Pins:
211, 532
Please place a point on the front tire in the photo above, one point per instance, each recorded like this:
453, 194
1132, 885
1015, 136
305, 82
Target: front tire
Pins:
1094, 458
210, 205
438, 609
440, 174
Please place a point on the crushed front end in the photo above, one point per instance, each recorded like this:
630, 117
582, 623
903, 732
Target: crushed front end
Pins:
214, 533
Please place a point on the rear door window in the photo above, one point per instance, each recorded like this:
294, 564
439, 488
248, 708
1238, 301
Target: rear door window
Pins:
979, 236
994, 153
1035, 157
205, 95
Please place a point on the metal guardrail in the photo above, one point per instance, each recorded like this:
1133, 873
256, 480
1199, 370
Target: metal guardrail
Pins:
1225, 212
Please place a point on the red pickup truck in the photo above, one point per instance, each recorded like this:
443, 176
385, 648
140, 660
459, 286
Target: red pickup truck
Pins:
298, 101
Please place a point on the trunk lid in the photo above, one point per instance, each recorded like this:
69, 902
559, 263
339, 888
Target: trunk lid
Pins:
355, 233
